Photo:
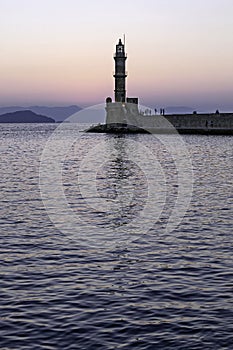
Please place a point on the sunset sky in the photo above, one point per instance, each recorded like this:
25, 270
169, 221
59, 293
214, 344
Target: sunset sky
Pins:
60, 52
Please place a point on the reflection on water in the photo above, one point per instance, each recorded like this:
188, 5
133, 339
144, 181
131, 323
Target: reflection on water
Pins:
145, 289
117, 181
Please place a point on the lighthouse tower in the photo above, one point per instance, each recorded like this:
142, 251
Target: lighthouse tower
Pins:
123, 108
120, 73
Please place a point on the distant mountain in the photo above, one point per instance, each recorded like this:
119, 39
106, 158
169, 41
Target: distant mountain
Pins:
57, 113
11, 109
178, 110
25, 117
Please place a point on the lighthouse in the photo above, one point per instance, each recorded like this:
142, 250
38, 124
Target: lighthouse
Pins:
119, 111
120, 73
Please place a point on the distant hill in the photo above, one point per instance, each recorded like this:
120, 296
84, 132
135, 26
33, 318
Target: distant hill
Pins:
57, 113
25, 117
178, 110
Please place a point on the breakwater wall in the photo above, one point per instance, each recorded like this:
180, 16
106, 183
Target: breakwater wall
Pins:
205, 123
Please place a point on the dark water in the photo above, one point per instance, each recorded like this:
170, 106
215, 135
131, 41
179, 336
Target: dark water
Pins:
72, 287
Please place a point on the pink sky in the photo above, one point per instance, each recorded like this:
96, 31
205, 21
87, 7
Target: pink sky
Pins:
61, 52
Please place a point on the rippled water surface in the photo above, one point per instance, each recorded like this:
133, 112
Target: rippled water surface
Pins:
87, 275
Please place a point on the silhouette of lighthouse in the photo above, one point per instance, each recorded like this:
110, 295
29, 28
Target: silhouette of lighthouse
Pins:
120, 73
120, 111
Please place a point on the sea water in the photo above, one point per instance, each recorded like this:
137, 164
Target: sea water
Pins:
78, 271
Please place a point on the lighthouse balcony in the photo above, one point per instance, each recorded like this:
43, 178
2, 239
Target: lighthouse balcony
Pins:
120, 75
120, 54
